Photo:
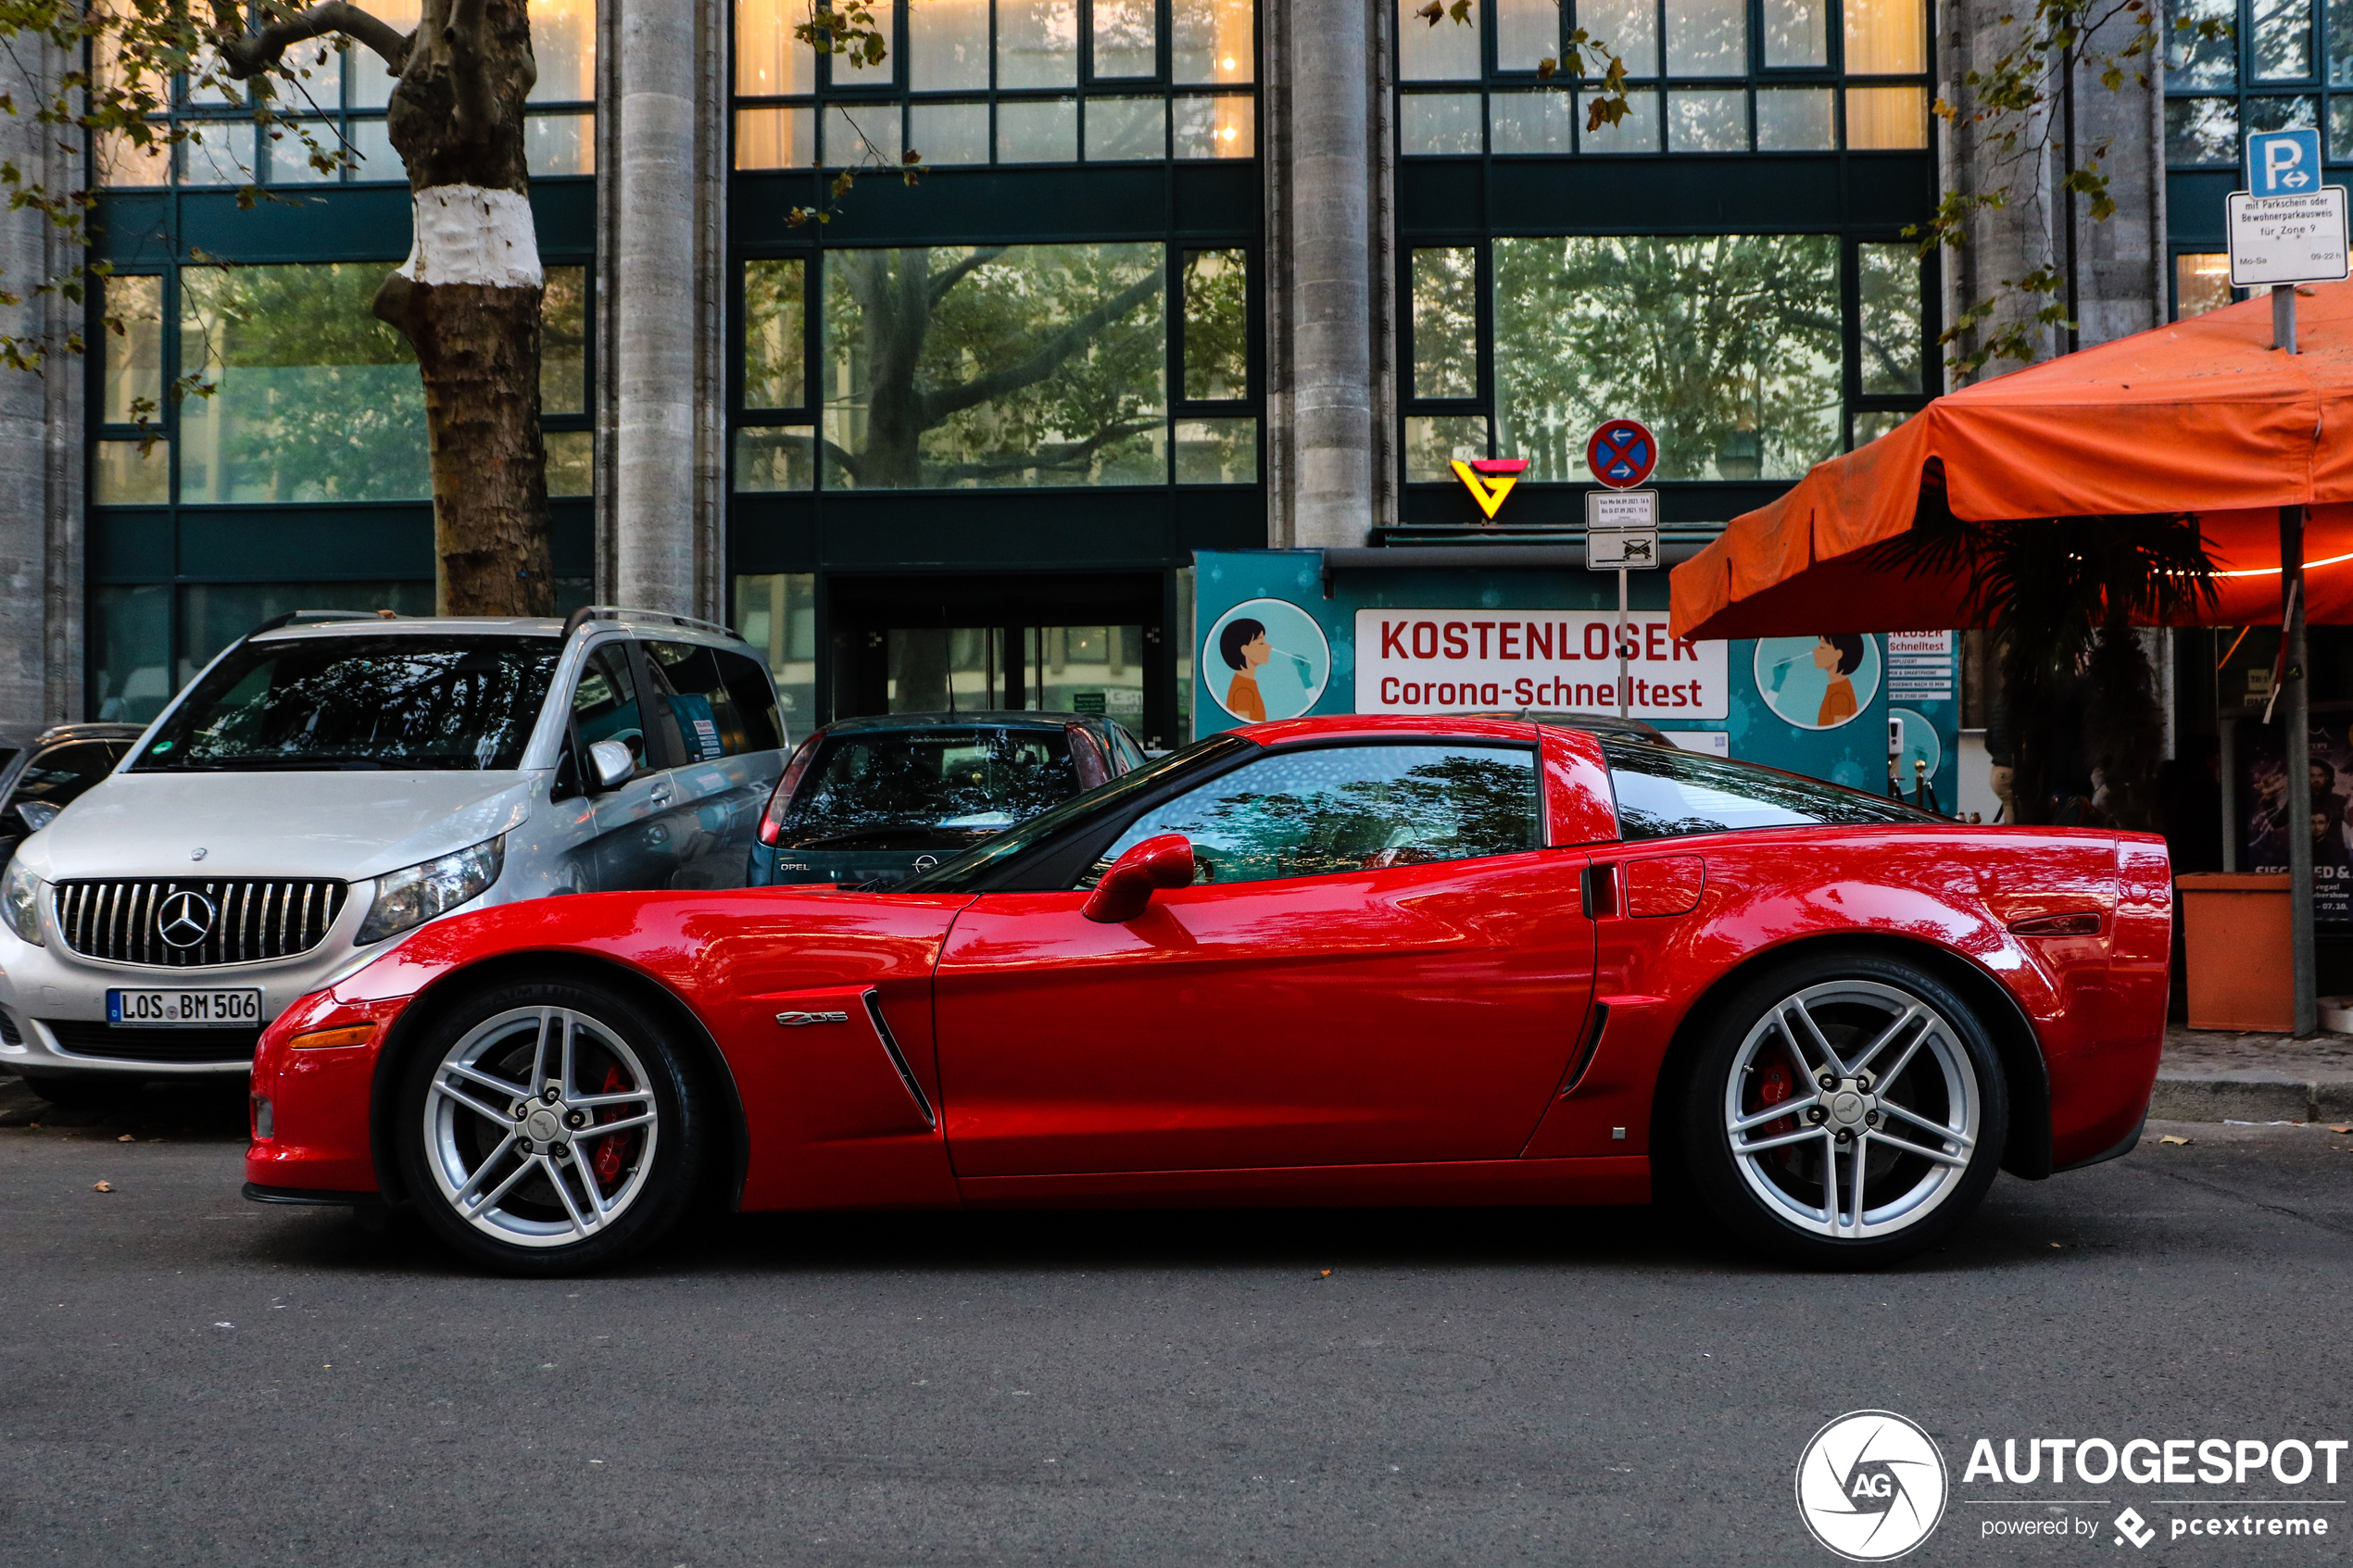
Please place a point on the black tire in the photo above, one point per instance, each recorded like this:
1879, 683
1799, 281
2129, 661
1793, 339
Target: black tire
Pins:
536, 1161
1946, 1103
84, 1091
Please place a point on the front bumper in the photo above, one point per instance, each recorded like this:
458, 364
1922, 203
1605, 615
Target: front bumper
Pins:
55, 1002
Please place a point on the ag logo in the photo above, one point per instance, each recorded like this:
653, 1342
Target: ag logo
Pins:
1871, 1485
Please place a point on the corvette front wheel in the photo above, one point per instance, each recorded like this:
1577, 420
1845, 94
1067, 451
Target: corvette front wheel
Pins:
548, 1128
1846, 1111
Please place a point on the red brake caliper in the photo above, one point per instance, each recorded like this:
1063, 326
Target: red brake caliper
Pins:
606, 1161
1774, 1084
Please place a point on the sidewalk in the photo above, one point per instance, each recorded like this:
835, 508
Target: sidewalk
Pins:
2253, 1078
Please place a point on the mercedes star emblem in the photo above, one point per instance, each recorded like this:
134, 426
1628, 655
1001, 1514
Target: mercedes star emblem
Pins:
184, 920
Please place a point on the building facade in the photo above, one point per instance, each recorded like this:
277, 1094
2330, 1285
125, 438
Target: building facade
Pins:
1173, 275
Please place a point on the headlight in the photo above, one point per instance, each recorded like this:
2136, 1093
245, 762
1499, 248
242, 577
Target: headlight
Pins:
20, 903
405, 900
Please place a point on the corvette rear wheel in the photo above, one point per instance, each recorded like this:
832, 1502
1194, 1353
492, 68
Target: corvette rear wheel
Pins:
1846, 1110
549, 1128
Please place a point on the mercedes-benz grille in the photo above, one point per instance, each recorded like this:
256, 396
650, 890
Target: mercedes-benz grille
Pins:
186, 923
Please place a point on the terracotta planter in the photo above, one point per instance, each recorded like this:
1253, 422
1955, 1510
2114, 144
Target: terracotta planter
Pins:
2240, 971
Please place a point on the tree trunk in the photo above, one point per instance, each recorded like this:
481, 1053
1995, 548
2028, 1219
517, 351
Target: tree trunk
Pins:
2127, 729
468, 299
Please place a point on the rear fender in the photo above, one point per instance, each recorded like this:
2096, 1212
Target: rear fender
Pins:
1766, 897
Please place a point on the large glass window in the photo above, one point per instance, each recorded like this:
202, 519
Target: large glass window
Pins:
314, 399
1348, 809
299, 393
1727, 347
1754, 356
2269, 65
967, 82
328, 127
1705, 76
1001, 365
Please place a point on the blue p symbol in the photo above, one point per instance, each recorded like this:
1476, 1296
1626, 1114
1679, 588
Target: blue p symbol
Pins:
2284, 162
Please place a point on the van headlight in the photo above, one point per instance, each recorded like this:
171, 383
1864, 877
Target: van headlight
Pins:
20, 902
405, 900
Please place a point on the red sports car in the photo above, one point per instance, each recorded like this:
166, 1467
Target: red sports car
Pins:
1367, 961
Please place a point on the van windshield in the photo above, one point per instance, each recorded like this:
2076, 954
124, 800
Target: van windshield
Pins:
324, 704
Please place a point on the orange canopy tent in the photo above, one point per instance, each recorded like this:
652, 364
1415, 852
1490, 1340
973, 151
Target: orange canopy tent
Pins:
2203, 417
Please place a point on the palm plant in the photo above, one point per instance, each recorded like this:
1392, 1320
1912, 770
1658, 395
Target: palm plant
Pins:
2063, 595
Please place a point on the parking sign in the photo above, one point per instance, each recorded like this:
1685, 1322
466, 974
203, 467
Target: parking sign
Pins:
2283, 163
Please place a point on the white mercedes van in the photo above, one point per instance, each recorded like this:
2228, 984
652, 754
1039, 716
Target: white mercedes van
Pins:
330, 781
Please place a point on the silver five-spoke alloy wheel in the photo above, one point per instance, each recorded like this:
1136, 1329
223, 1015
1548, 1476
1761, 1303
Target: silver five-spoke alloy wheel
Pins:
1852, 1109
541, 1126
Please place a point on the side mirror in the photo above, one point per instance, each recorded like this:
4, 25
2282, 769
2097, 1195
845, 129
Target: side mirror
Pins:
38, 814
613, 763
1126, 889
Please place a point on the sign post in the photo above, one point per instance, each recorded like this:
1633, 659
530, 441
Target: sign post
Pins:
2287, 228
1621, 524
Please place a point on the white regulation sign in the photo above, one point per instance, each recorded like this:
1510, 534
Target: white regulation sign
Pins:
2293, 239
1467, 661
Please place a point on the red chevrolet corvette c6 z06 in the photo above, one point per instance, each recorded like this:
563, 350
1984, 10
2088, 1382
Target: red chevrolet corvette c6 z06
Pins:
1334, 961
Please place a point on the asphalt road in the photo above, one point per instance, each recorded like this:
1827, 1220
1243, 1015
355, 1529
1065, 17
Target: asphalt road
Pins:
189, 1378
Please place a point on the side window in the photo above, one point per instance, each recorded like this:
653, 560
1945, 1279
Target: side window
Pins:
605, 706
62, 772
1664, 793
723, 701
1348, 809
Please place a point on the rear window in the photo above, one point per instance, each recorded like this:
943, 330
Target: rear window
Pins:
958, 776
409, 701
1665, 794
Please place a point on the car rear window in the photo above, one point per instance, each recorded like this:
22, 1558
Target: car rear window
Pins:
1665, 794
407, 701
956, 776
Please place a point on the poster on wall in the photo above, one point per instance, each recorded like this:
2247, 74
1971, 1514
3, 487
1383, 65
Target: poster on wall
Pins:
1265, 658
2263, 796
1465, 661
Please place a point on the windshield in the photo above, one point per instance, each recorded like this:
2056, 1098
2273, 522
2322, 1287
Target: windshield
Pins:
459, 703
977, 778
966, 869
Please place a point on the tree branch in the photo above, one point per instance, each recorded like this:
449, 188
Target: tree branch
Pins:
478, 106
248, 57
981, 257
1067, 455
937, 406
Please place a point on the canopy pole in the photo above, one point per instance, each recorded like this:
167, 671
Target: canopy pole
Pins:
2226, 759
2284, 317
2298, 720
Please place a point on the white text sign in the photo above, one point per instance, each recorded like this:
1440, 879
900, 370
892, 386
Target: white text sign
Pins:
2298, 239
1467, 661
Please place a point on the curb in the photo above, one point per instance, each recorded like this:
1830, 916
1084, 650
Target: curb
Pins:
2251, 1097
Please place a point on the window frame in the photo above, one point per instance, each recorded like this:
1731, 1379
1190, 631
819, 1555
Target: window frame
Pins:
1755, 74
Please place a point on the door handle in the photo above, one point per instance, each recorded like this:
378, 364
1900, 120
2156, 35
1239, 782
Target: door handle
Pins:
659, 793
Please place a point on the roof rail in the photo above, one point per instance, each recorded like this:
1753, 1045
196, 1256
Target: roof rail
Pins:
586, 613
315, 616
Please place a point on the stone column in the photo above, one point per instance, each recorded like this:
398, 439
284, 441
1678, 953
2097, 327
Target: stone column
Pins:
2121, 283
41, 533
1328, 244
659, 517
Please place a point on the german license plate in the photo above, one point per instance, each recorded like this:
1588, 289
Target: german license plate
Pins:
183, 1010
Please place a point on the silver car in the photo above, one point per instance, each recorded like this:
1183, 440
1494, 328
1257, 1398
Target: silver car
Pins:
326, 784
